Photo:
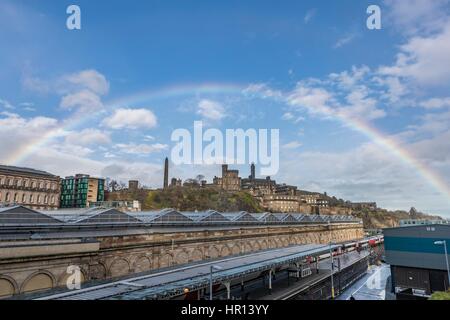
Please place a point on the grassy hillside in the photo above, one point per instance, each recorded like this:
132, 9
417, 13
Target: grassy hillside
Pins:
191, 199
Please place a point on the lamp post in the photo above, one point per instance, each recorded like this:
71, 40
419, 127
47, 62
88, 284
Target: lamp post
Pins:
440, 243
332, 261
332, 271
211, 270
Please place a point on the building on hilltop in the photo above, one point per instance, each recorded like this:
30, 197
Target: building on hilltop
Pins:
80, 190
176, 182
281, 203
133, 185
29, 187
363, 205
230, 180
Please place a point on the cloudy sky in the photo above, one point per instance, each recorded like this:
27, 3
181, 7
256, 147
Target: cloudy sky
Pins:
363, 114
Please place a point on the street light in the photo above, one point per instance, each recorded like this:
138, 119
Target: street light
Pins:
211, 270
332, 271
440, 243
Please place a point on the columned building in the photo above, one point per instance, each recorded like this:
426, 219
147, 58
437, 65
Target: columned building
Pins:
35, 189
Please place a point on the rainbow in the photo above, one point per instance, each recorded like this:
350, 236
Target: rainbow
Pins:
372, 133
76, 120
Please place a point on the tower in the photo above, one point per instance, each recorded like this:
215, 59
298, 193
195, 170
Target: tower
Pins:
224, 170
166, 173
252, 172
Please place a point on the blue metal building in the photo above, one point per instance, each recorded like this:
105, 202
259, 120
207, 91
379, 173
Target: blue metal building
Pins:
417, 258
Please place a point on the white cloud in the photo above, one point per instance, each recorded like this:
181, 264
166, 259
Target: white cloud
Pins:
91, 80
292, 145
424, 60
417, 16
344, 40
211, 110
28, 106
141, 149
5, 104
80, 91
84, 100
262, 90
13, 121
309, 15
88, 137
126, 118
287, 116
317, 101
436, 103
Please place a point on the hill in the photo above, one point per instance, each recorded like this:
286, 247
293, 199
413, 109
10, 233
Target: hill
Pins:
191, 199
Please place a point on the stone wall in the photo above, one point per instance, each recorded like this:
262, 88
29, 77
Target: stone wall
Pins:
117, 256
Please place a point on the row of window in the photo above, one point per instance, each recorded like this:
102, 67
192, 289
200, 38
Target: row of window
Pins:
27, 183
25, 199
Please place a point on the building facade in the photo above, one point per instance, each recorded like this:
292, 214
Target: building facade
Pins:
80, 190
281, 203
32, 188
416, 255
230, 180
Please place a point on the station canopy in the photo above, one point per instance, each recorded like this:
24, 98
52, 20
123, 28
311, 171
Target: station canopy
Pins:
20, 215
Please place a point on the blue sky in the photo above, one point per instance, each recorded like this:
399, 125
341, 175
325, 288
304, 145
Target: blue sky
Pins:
139, 70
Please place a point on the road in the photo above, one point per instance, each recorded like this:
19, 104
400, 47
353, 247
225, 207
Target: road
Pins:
370, 287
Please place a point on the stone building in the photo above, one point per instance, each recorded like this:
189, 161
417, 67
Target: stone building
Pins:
133, 185
281, 203
106, 243
32, 188
230, 180
314, 199
363, 205
176, 182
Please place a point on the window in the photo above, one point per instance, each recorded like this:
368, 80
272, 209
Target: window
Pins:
16, 197
39, 199
41, 185
31, 198
46, 199
7, 197
24, 198
33, 184
53, 200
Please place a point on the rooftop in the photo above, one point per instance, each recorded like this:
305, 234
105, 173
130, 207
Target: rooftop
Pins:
23, 216
12, 169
